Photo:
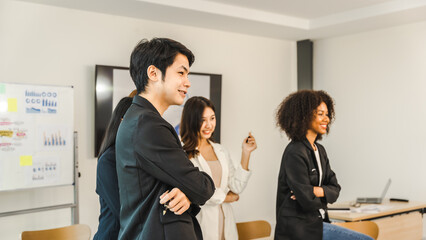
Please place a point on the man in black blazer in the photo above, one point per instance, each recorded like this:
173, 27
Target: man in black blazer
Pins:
160, 189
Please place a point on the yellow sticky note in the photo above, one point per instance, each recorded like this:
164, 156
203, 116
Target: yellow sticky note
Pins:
6, 133
12, 105
26, 160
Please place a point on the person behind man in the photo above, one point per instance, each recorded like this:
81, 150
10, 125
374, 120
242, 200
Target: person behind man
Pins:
197, 127
160, 189
106, 177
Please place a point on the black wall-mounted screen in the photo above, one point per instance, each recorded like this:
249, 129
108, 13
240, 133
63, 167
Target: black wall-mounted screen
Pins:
113, 83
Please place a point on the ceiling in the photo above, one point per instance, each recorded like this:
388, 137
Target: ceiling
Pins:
282, 19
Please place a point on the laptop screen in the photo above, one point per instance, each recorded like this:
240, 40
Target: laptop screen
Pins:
386, 188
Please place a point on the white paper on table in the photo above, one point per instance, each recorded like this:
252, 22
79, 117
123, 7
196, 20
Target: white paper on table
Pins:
371, 208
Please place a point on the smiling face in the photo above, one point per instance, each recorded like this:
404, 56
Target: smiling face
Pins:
175, 83
320, 121
209, 123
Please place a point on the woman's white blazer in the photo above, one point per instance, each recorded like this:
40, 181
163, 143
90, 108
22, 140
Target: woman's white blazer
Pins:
233, 179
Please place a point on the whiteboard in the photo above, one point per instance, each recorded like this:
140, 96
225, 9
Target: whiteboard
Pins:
36, 136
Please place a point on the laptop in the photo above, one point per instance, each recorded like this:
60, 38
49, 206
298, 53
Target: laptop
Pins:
375, 200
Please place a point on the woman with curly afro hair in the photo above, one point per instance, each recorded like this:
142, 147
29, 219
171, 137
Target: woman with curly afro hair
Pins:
306, 183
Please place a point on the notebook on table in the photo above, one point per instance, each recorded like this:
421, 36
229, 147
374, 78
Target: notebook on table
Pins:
377, 200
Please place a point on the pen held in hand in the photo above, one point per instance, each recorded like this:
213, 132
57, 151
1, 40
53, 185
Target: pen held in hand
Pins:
165, 206
249, 136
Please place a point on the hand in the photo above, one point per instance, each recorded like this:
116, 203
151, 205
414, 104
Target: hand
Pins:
178, 202
249, 144
318, 191
293, 197
231, 197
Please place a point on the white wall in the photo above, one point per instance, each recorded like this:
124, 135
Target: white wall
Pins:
378, 82
55, 46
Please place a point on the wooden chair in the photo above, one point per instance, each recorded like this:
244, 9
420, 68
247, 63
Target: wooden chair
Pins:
253, 229
73, 232
367, 227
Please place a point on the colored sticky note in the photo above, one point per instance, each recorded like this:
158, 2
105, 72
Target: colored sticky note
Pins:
2, 88
26, 160
6, 133
12, 105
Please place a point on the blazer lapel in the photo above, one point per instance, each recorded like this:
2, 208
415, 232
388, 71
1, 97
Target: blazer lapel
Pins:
220, 154
322, 160
313, 158
204, 165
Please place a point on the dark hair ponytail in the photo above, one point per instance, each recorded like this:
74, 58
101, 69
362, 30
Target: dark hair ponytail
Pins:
114, 123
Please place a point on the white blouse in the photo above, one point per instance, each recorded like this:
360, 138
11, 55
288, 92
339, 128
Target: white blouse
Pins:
233, 179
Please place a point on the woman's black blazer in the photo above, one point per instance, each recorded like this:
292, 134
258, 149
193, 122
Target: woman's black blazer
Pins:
300, 218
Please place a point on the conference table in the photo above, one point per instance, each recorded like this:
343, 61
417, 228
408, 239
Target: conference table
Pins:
396, 220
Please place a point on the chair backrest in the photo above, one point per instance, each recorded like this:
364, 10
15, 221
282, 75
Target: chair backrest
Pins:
253, 229
73, 232
367, 227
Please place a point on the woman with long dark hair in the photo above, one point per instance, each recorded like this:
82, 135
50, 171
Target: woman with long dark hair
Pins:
197, 127
306, 182
106, 177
